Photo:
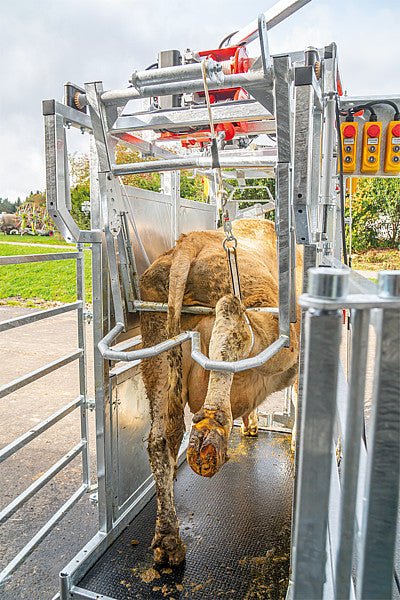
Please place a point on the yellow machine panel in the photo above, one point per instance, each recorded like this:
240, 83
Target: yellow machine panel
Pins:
392, 153
371, 146
349, 131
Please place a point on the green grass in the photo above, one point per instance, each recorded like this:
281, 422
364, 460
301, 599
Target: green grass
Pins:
33, 239
36, 284
379, 259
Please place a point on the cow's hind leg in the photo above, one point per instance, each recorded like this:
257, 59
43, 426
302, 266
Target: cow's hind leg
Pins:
167, 428
250, 424
230, 340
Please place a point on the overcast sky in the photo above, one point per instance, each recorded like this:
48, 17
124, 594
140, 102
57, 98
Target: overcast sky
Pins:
44, 43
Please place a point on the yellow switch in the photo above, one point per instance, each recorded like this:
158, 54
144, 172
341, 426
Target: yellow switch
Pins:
392, 154
371, 147
349, 133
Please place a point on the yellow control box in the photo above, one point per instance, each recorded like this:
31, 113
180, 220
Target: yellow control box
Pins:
392, 153
349, 134
371, 147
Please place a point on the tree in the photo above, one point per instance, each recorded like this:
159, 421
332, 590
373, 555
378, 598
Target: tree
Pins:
7, 206
80, 188
376, 214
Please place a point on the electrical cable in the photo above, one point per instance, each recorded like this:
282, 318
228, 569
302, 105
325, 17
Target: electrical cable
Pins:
341, 184
228, 38
369, 105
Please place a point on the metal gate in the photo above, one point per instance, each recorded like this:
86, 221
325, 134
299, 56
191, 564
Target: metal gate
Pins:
80, 403
344, 542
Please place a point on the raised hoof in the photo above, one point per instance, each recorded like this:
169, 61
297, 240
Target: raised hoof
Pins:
208, 443
249, 431
168, 550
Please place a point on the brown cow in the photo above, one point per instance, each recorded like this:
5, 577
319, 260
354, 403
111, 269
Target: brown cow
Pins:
195, 272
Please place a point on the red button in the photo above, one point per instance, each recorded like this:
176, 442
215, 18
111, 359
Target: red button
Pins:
373, 131
396, 130
349, 131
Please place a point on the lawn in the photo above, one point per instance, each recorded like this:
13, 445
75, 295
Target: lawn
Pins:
377, 260
38, 284
33, 239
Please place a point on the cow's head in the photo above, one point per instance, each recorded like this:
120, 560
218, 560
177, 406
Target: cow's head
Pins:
231, 340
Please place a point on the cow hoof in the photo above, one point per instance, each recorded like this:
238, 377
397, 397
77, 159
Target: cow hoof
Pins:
169, 550
207, 449
249, 431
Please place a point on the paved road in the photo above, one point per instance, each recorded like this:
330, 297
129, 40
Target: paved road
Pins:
22, 350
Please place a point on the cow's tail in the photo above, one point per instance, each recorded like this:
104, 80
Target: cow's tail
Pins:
183, 258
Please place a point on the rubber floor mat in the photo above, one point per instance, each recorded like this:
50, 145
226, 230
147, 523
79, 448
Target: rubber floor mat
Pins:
236, 526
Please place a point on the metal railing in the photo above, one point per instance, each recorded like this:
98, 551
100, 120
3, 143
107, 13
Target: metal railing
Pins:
81, 448
345, 516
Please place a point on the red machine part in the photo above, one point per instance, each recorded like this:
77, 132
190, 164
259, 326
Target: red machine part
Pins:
234, 60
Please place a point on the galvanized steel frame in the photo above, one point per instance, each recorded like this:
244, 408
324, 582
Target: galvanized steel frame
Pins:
302, 111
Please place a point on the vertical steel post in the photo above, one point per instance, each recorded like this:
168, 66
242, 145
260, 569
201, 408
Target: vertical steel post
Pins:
80, 289
328, 195
383, 476
309, 262
100, 326
285, 251
352, 446
171, 186
322, 338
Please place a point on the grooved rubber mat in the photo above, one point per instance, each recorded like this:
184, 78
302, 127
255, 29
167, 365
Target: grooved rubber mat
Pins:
236, 527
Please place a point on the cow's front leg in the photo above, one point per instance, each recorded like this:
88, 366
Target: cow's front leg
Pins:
167, 428
230, 340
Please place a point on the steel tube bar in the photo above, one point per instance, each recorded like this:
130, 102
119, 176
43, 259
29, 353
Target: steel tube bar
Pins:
81, 334
352, 446
38, 316
28, 258
351, 301
30, 546
16, 384
282, 220
197, 355
275, 15
40, 482
30, 435
78, 593
184, 72
194, 162
239, 365
227, 81
137, 354
145, 306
